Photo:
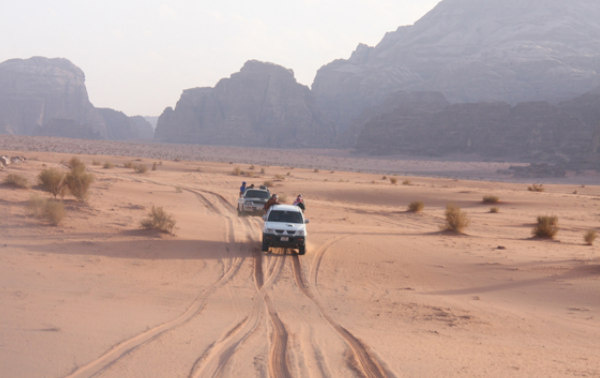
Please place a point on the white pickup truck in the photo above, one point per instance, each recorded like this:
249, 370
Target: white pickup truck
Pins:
285, 226
253, 201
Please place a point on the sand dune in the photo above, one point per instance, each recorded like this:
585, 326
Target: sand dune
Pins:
380, 291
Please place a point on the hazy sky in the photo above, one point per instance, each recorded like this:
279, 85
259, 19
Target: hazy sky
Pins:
138, 55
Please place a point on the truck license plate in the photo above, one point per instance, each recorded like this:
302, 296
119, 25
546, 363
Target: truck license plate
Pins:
285, 238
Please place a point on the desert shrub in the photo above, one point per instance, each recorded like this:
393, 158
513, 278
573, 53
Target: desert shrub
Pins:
140, 168
536, 188
35, 205
52, 180
384, 177
279, 177
108, 165
268, 184
288, 174
393, 180
262, 171
178, 189
456, 219
154, 166
251, 167
78, 180
416, 206
406, 182
76, 165
158, 220
494, 210
52, 211
589, 237
546, 226
16, 181
490, 199
316, 170
128, 164
236, 171
95, 162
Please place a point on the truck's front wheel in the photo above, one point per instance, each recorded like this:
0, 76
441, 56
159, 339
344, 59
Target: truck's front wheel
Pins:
302, 249
265, 246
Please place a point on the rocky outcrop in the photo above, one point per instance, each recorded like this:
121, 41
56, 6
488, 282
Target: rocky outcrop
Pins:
568, 133
41, 96
121, 127
262, 105
471, 51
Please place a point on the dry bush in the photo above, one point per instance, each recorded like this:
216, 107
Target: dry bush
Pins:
78, 180
52, 211
262, 171
128, 164
406, 182
140, 168
316, 170
236, 171
384, 177
494, 210
490, 199
35, 205
456, 219
536, 188
393, 180
52, 180
416, 206
546, 227
16, 181
268, 184
159, 220
251, 167
95, 162
589, 237
108, 165
279, 177
154, 166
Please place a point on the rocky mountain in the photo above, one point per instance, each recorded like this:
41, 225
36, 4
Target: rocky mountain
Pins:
121, 127
262, 105
566, 133
471, 51
41, 96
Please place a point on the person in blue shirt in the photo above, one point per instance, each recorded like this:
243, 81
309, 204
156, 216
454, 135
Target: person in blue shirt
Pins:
243, 188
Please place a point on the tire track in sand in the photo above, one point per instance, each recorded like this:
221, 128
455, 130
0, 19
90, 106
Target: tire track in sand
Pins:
124, 347
213, 361
361, 360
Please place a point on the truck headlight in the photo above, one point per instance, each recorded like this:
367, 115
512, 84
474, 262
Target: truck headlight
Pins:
300, 233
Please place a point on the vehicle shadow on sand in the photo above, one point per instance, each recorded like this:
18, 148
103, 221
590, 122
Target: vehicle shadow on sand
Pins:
148, 249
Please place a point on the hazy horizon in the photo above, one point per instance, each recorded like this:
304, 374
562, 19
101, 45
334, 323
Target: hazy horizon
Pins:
139, 56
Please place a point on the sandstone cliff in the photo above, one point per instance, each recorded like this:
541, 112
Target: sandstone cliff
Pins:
262, 105
567, 133
471, 51
121, 127
41, 96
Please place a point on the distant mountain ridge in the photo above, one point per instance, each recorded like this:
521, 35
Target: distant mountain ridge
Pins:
262, 105
471, 51
497, 79
41, 96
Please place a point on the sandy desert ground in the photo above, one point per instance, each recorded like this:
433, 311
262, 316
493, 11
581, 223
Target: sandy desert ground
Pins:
380, 292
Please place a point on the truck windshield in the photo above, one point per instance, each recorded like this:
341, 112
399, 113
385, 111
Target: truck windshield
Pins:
256, 194
285, 216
